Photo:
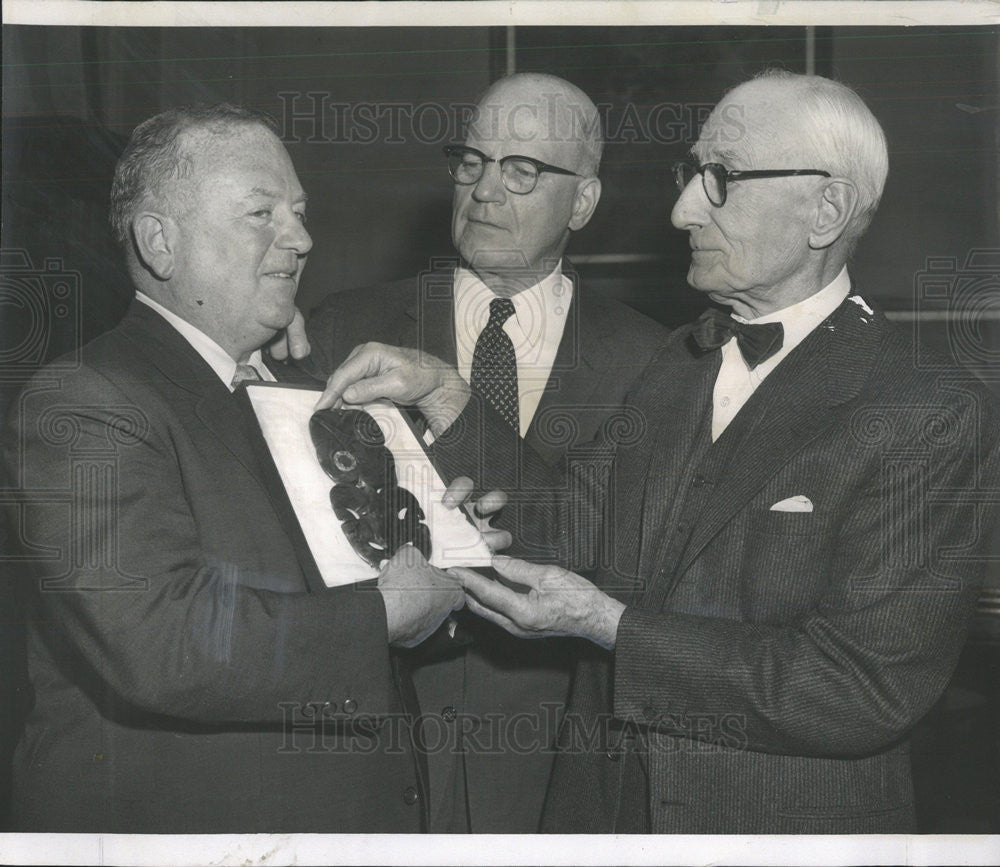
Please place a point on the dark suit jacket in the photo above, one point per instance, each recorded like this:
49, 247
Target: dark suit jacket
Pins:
179, 662
770, 664
505, 695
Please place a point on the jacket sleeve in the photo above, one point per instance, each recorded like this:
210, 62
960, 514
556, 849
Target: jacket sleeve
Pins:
128, 595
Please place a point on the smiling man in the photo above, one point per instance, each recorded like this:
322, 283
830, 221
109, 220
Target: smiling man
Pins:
796, 544
186, 676
555, 359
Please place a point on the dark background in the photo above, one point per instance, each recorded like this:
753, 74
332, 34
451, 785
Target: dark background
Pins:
380, 206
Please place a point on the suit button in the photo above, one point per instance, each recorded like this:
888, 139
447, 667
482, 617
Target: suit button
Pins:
681, 529
449, 713
350, 705
698, 481
410, 796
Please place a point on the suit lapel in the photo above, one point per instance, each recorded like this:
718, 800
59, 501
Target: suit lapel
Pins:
806, 394
575, 376
683, 392
433, 315
214, 406
584, 362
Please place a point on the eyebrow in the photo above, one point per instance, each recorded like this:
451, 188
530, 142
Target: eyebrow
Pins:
725, 155
270, 194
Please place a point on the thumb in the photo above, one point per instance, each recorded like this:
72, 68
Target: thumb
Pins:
518, 571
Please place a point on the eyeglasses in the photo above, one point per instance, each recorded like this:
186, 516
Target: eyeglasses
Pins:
715, 177
519, 174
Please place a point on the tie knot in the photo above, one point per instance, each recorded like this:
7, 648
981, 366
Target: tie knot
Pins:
501, 309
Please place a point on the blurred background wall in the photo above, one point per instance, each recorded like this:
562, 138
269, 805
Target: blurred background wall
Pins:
364, 113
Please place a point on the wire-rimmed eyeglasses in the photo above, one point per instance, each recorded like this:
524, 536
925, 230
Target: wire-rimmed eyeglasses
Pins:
715, 177
519, 174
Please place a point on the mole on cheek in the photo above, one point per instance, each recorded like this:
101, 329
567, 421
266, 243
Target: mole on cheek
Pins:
199, 302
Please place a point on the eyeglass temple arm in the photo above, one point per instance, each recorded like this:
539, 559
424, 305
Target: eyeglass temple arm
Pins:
736, 174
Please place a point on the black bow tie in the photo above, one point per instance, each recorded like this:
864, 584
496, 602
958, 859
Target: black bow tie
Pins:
757, 343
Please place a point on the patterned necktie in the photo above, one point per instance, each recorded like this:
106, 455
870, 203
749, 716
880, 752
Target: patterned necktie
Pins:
757, 343
494, 363
245, 373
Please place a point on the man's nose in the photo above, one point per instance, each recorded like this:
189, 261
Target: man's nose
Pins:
691, 207
294, 236
489, 187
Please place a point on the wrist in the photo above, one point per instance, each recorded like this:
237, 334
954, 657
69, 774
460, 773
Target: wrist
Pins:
609, 615
392, 625
445, 404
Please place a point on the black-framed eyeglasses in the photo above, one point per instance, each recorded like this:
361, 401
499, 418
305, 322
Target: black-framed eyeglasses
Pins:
715, 177
519, 174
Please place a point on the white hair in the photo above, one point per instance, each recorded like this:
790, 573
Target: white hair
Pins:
841, 136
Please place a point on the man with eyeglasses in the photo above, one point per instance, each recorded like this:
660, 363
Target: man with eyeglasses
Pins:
555, 361
798, 538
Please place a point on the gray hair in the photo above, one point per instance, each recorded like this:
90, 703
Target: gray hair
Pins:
841, 136
154, 156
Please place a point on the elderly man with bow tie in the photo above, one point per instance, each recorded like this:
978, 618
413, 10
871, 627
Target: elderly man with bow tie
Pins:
794, 543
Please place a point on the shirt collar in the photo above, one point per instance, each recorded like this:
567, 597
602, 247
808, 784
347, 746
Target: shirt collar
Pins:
799, 319
473, 296
214, 355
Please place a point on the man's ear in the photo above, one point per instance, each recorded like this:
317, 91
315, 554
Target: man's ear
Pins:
588, 194
156, 240
834, 213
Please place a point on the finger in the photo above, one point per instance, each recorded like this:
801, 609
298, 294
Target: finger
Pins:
298, 343
519, 571
446, 578
364, 361
495, 617
374, 388
497, 540
489, 504
279, 348
493, 594
407, 557
457, 493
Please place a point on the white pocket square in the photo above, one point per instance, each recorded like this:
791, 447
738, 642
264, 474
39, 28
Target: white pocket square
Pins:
798, 503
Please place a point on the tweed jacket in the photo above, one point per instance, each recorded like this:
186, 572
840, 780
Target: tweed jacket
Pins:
770, 663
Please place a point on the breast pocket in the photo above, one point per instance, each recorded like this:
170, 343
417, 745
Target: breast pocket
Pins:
780, 523
786, 565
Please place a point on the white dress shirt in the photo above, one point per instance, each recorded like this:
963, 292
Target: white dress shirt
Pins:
535, 329
215, 356
736, 382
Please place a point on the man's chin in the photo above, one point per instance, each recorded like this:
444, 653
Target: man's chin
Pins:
497, 261
277, 324
700, 281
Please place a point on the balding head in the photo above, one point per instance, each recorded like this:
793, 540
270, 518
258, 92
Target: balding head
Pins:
536, 107
513, 239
